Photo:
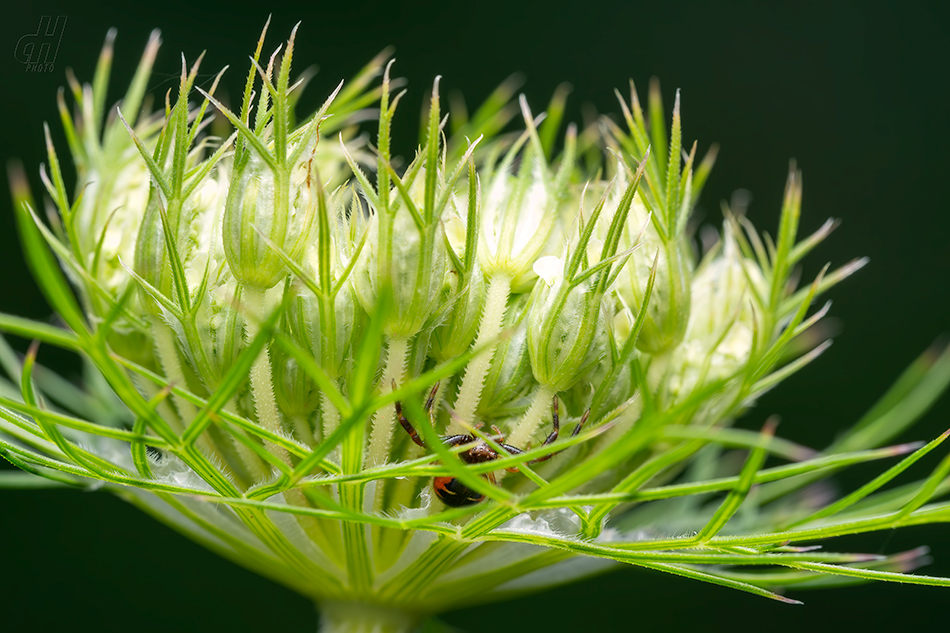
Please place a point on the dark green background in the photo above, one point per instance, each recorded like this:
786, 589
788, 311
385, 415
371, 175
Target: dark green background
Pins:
857, 92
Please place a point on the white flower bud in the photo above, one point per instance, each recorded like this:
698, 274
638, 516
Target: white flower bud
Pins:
265, 205
719, 336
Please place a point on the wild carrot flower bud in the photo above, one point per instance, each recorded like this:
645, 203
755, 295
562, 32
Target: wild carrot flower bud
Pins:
106, 239
720, 335
566, 315
668, 307
296, 394
514, 221
414, 267
458, 331
267, 211
561, 323
520, 210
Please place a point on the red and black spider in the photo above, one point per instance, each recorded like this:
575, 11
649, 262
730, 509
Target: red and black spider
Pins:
453, 492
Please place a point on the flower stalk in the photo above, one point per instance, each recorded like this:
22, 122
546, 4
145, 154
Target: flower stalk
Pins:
470, 392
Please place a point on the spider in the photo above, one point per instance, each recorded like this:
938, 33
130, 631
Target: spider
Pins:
450, 490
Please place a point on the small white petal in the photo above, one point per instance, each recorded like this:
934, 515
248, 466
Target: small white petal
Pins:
549, 268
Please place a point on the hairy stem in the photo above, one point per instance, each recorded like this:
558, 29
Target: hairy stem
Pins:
302, 429
262, 379
174, 374
252, 463
268, 416
382, 434
330, 418
471, 390
540, 407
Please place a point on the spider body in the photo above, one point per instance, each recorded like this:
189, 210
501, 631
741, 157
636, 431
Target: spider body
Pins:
454, 493
450, 490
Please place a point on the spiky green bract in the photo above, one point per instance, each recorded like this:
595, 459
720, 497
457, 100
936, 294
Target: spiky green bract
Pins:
250, 311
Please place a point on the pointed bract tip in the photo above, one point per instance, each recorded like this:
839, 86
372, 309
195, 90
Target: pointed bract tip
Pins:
33, 350
526, 111
511, 83
634, 97
109, 43
389, 66
856, 265
19, 185
382, 55
563, 89
151, 48
292, 38
938, 348
911, 554
903, 449
768, 429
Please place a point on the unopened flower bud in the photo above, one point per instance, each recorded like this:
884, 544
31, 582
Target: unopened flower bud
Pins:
719, 336
454, 337
266, 205
414, 264
562, 324
669, 305
517, 217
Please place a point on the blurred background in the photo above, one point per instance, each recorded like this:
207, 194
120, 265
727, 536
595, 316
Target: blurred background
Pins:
856, 92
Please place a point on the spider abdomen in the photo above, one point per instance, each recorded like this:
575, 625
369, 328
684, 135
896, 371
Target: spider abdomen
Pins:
454, 493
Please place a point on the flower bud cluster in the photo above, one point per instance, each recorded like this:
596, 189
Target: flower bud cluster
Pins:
267, 292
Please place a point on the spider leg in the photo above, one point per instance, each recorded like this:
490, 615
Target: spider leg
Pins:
577, 429
555, 422
405, 422
408, 426
513, 450
456, 440
553, 435
498, 436
431, 398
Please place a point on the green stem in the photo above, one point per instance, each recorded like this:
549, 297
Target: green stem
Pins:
540, 407
268, 416
262, 383
252, 463
328, 415
471, 390
330, 418
382, 434
171, 365
302, 429
357, 617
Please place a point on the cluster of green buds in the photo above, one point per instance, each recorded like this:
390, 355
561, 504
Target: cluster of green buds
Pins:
299, 338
